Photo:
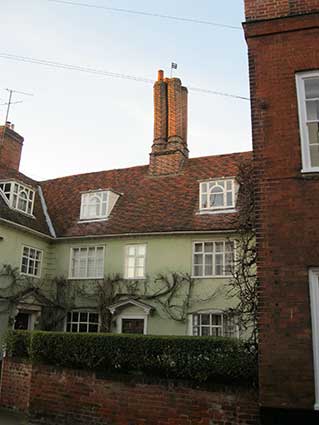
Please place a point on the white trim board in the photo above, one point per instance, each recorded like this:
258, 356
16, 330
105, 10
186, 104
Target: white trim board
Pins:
314, 301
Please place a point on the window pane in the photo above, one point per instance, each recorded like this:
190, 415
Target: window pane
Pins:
229, 184
198, 259
216, 200
229, 199
75, 316
93, 328
131, 250
208, 265
209, 247
216, 319
83, 327
204, 201
314, 155
205, 331
83, 317
140, 272
205, 319
219, 264
198, 247
94, 318
216, 332
141, 250
204, 187
312, 110
130, 273
198, 270
312, 87
219, 246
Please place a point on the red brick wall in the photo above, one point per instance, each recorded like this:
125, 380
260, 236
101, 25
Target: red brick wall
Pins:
287, 226
64, 396
268, 9
10, 148
15, 384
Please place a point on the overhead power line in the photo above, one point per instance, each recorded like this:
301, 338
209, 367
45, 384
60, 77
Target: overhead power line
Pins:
149, 14
89, 70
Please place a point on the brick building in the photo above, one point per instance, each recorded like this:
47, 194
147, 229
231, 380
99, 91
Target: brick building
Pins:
282, 38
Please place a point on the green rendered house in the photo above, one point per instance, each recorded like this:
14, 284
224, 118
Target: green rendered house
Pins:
147, 249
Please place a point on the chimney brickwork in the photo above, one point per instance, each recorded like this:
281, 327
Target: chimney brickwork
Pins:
270, 9
10, 147
169, 150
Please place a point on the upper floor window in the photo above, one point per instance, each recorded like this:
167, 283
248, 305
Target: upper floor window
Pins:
97, 205
19, 196
94, 205
87, 262
135, 261
217, 194
31, 261
213, 258
308, 102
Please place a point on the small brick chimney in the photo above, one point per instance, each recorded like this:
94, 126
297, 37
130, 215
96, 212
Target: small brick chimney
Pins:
10, 146
169, 150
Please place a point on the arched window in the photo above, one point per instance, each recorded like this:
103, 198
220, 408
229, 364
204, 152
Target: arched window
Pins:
19, 197
94, 205
217, 194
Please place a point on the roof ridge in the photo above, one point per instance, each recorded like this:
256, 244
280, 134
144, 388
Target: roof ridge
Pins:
232, 154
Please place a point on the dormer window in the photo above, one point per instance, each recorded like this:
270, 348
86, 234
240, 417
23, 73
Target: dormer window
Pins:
217, 195
18, 196
97, 205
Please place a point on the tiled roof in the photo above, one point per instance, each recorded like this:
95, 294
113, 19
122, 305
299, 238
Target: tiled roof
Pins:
38, 222
148, 204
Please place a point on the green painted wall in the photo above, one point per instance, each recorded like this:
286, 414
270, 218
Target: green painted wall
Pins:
164, 254
11, 247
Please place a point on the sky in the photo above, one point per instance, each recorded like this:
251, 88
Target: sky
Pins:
80, 122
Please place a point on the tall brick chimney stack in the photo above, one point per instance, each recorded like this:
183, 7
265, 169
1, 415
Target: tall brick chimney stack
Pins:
10, 146
169, 150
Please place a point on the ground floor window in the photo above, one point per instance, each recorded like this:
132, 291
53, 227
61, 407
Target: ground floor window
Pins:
82, 321
22, 321
132, 325
213, 324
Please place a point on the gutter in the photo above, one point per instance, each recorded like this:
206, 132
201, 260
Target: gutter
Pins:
26, 229
117, 235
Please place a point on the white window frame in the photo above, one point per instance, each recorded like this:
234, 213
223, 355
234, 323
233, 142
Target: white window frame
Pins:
131, 316
223, 276
28, 257
85, 203
79, 322
210, 312
87, 247
13, 197
304, 136
135, 257
314, 303
222, 208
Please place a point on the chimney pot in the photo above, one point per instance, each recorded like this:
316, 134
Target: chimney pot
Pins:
160, 75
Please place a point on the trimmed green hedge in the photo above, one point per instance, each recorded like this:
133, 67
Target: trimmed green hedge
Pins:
193, 358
